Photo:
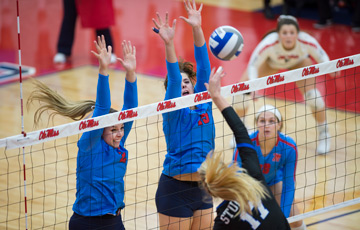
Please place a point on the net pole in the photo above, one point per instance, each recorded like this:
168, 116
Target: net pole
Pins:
22, 111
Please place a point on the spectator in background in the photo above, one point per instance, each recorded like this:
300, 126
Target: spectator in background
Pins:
97, 14
326, 16
268, 13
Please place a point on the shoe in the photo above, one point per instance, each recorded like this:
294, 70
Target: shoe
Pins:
321, 25
113, 58
59, 58
324, 142
268, 13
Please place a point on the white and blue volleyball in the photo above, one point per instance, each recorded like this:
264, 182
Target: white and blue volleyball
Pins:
226, 43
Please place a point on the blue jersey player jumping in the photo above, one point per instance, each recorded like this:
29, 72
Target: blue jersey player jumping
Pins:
102, 158
189, 132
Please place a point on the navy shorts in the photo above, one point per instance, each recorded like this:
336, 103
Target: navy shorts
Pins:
180, 198
106, 222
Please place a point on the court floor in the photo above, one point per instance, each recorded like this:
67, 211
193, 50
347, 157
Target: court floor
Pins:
51, 179
321, 180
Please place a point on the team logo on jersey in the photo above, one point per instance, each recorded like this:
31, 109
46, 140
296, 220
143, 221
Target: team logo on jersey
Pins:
239, 87
276, 157
123, 156
48, 133
88, 124
310, 70
275, 79
165, 105
344, 62
202, 96
288, 57
127, 114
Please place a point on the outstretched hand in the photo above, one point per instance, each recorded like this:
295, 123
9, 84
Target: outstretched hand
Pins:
165, 31
102, 54
214, 88
129, 57
194, 16
214, 85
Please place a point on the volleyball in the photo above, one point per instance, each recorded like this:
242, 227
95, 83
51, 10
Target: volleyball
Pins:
226, 43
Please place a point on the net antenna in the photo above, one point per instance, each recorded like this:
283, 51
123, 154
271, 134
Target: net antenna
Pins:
22, 111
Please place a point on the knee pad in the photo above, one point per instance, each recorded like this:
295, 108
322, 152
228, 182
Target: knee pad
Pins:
315, 100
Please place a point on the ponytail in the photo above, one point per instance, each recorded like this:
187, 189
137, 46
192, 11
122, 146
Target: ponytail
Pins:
230, 182
51, 100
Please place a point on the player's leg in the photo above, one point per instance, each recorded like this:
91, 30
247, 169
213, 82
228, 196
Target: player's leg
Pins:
176, 201
202, 219
174, 223
67, 32
173, 211
276, 190
297, 225
316, 102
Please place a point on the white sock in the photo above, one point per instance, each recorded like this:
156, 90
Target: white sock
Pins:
322, 127
302, 227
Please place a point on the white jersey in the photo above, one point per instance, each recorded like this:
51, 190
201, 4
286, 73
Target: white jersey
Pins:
271, 50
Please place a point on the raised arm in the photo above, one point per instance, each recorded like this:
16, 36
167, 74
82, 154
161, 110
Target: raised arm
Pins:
130, 92
246, 150
167, 34
288, 189
194, 20
201, 54
103, 100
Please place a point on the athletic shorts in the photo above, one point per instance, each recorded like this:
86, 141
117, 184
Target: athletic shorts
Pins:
105, 222
278, 178
180, 198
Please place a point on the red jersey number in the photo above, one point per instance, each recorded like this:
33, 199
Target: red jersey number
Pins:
204, 119
265, 168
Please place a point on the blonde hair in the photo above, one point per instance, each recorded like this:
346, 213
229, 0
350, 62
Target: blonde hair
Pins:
230, 182
51, 100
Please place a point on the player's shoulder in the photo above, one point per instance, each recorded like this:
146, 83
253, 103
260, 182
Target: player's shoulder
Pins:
253, 135
287, 140
268, 43
305, 37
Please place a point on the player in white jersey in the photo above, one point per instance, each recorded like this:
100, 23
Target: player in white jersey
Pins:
290, 48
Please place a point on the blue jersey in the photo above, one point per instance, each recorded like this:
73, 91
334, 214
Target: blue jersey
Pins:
100, 167
189, 134
278, 165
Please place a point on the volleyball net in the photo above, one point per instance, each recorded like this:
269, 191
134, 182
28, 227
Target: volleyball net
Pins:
323, 182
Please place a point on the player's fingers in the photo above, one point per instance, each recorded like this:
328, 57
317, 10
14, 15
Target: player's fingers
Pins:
201, 6
159, 18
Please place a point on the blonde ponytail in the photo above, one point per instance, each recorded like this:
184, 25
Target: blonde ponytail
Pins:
51, 100
230, 182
